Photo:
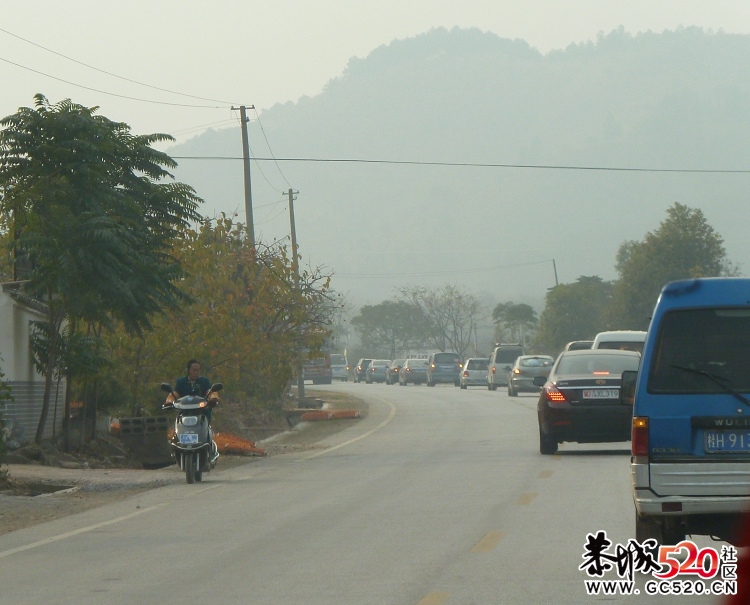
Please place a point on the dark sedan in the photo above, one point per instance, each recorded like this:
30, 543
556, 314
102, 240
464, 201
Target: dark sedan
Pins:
580, 401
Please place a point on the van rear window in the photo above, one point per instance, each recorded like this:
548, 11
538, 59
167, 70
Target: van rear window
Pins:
447, 358
508, 355
702, 351
622, 345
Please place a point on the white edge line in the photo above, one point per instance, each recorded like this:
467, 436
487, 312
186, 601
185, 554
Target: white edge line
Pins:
13, 551
367, 434
82, 530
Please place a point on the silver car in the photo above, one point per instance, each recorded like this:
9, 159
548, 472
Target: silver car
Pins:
339, 367
474, 372
376, 370
523, 372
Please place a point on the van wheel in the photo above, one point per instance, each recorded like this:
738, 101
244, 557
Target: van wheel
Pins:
645, 528
492, 387
463, 386
547, 445
672, 532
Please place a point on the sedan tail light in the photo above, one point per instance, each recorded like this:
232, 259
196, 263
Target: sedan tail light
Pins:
554, 397
517, 371
639, 437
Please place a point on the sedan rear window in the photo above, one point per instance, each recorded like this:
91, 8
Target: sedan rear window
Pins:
596, 364
702, 351
536, 362
446, 358
478, 364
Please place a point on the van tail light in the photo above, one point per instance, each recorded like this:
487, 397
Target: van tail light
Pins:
466, 373
639, 441
555, 398
493, 370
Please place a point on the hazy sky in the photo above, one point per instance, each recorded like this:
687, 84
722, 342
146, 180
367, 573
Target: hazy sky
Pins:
264, 52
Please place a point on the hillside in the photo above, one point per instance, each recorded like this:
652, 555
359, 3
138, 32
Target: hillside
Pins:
672, 100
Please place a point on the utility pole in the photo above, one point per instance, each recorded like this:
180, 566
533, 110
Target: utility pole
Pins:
295, 268
554, 266
246, 164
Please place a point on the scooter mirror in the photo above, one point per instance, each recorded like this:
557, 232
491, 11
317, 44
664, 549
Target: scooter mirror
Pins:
217, 387
166, 387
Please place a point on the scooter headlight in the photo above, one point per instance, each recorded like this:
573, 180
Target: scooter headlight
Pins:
190, 420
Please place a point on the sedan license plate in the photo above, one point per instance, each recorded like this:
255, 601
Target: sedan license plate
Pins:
726, 441
189, 438
601, 394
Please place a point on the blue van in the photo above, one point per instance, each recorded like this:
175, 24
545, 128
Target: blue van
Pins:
690, 464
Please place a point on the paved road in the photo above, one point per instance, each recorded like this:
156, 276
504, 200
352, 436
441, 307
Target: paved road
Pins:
438, 496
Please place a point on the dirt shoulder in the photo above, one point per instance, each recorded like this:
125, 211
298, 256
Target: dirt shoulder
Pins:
36, 493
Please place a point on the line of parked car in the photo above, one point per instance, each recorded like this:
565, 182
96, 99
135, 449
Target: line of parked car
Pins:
679, 392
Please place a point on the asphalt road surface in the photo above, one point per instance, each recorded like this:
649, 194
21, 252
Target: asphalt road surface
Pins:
439, 496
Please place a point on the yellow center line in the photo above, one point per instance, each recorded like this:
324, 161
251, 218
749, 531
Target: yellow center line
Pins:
488, 543
526, 498
545, 474
435, 598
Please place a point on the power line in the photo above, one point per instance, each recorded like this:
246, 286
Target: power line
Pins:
109, 73
471, 164
224, 122
112, 94
434, 273
257, 119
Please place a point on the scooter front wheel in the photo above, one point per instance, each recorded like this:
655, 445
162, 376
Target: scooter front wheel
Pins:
189, 462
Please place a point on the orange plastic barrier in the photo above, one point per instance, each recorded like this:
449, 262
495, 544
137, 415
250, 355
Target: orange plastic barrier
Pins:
329, 415
231, 444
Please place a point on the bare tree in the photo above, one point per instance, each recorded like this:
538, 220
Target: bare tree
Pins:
449, 313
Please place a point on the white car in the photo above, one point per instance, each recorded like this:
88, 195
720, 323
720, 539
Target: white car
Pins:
474, 372
628, 340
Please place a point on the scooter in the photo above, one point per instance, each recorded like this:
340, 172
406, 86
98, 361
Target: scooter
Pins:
192, 442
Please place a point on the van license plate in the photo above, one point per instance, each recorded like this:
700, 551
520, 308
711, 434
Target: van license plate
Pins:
189, 438
727, 441
601, 394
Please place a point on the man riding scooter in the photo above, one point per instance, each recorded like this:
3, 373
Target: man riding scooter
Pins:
195, 384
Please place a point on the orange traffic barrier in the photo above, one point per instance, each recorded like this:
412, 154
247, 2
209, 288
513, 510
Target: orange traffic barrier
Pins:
329, 415
231, 444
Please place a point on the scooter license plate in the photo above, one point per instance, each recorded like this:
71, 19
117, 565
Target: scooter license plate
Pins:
189, 438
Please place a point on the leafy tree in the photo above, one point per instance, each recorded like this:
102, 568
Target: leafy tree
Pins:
517, 319
389, 327
249, 324
574, 311
83, 199
683, 246
449, 314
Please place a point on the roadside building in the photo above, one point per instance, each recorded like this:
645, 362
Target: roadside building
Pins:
22, 413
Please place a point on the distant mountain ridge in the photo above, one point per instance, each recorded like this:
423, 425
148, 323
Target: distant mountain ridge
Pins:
666, 101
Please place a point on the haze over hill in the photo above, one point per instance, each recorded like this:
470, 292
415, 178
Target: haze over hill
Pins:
667, 101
